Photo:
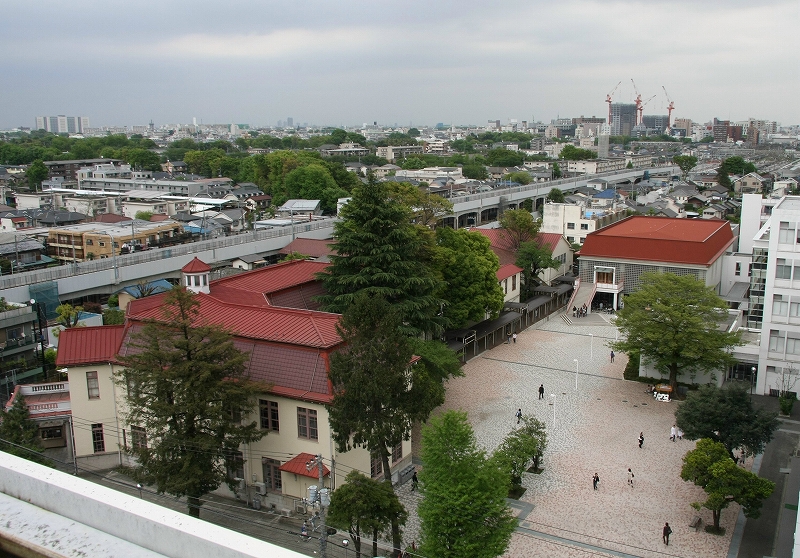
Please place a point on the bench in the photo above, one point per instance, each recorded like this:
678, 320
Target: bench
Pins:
696, 523
406, 474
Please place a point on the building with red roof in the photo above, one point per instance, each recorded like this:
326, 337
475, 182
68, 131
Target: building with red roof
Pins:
273, 317
613, 258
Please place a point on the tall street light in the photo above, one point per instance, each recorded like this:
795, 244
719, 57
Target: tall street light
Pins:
41, 315
576, 373
752, 380
553, 395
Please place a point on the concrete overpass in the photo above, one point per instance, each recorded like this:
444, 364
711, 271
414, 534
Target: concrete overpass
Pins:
110, 274
482, 208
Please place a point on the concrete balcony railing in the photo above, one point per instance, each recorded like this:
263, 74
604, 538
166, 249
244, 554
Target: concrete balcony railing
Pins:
38, 389
610, 287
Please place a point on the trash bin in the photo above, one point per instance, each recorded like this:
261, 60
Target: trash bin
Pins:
256, 502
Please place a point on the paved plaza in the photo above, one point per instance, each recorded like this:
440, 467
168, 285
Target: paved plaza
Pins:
592, 430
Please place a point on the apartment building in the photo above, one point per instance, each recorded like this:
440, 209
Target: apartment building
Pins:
63, 124
393, 152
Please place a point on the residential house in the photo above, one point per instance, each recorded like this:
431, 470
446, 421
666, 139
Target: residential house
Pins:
751, 183
50, 408
273, 317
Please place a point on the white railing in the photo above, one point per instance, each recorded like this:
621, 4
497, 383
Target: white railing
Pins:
34, 389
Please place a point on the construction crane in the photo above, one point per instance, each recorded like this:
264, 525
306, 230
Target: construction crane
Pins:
638, 99
669, 111
641, 109
608, 100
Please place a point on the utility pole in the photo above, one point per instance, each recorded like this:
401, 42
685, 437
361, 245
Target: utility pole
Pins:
318, 498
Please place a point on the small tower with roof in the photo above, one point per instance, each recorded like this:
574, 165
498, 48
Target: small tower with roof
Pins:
195, 276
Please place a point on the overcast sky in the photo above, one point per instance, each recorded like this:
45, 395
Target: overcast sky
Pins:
121, 62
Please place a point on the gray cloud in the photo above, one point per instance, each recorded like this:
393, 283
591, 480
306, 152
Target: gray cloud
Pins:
423, 62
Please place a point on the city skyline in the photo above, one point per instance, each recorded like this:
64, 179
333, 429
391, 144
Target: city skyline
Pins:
346, 63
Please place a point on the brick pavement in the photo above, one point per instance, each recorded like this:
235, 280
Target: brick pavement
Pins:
595, 430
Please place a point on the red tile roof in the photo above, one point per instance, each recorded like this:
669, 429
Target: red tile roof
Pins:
306, 328
309, 247
548, 240
89, 345
297, 465
272, 278
498, 238
661, 239
196, 266
507, 271
503, 246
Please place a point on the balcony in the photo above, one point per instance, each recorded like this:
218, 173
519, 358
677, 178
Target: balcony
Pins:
614, 288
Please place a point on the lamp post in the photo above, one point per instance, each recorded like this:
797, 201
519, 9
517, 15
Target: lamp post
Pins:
318, 498
345, 542
576, 373
752, 380
41, 315
553, 395
113, 257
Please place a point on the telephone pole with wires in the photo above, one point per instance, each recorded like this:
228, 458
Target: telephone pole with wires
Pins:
321, 496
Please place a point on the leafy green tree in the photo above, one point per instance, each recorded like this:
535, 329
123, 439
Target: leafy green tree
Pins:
413, 132
710, 467
469, 269
68, 315
501, 157
377, 393
144, 215
186, 385
533, 259
572, 153
520, 226
674, 321
36, 172
380, 252
556, 171
463, 511
555, 195
364, 506
737, 165
686, 163
338, 136
726, 416
475, 172
520, 177
724, 179
428, 209
19, 435
522, 446
314, 182
113, 316
413, 163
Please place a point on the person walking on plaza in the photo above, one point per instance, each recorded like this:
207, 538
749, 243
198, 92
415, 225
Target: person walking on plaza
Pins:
414, 482
641, 439
673, 432
679, 434
514, 337
595, 480
665, 533
541, 391
612, 357
630, 477
508, 338
518, 414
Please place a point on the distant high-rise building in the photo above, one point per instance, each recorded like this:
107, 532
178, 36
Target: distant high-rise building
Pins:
623, 118
289, 122
602, 146
657, 122
588, 120
62, 124
683, 124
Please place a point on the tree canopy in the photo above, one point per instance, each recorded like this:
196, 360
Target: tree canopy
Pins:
523, 445
36, 172
377, 392
380, 252
185, 385
520, 226
469, 269
533, 259
686, 163
710, 467
463, 511
674, 321
502, 157
555, 195
427, 209
572, 153
737, 165
19, 435
365, 507
726, 415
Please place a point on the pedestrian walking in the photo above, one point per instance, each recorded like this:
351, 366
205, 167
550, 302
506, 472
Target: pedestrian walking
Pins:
518, 414
514, 337
679, 433
595, 480
665, 533
574, 311
630, 477
508, 338
641, 439
673, 432
612, 357
414, 482
541, 391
